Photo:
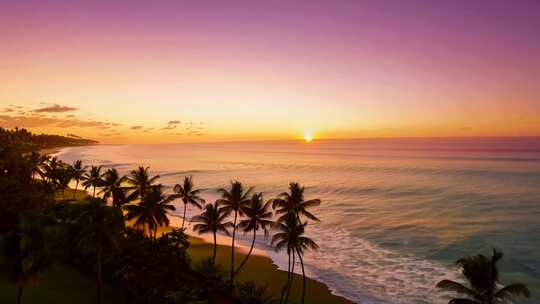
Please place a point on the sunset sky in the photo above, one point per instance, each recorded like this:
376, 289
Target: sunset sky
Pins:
181, 71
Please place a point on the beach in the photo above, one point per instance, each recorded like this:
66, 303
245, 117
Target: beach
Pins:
456, 197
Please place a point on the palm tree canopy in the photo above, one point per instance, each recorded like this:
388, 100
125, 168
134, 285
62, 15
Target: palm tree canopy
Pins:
213, 219
188, 194
257, 215
78, 170
292, 236
112, 187
140, 181
234, 198
153, 210
102, 225
294, 202
483, 276
93, 177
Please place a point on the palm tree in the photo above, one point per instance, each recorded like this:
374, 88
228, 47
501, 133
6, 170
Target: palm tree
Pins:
152, 211
112, 187
233, 200
63, 177
78, 173
188, 195
35, 161
283, 241
93, 179
25, 254
483, 277
212, 220
257, 217
294, 202
102, 228
140, 182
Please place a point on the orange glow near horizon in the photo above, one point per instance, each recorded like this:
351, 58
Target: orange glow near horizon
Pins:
166, 74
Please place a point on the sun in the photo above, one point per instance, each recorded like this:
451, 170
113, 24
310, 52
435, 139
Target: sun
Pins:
308, 136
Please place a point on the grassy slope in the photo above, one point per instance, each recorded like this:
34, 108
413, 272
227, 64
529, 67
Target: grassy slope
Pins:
59, 285
264, 272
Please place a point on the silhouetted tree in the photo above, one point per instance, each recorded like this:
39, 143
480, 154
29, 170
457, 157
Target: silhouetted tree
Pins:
188, 195
233, 200
78, 172
212, 220
102, 228
483, 276
93, 179
257, 217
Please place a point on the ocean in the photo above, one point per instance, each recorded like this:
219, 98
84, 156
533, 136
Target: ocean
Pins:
396, 213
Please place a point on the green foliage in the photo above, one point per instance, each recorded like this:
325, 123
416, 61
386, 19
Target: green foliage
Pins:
25, 141
251, 293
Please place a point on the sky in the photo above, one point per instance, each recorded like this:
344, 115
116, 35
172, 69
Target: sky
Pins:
184, 71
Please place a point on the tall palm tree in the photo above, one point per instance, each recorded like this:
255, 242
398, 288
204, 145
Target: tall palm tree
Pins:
212, 220
102, 228
151, 212
78, 172
64, 176
112, 187
35, 161
93, 179
257, 217
188, 195
284, 240
483, 276
140, 182
294, 202
233, 200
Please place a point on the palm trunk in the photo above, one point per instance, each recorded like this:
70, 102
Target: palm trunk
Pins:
19, 295
184, 218
75, 192
99, 282
232, 248
288, 278
291, 278
303, 278
215, 250
94, 194
63, 193
249, 253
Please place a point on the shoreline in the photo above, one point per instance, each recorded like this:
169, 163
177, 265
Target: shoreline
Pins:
260, 267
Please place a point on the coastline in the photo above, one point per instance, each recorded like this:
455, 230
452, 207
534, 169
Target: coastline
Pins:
260, 267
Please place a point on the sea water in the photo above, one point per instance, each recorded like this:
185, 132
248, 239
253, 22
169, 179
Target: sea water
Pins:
396, 213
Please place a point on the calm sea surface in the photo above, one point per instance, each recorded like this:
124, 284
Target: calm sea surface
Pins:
396, 214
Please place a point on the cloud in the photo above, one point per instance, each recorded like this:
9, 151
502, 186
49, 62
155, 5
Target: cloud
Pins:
55, 108
70, 116
174, 122
169, 127
8, 110
136, 127
36, 121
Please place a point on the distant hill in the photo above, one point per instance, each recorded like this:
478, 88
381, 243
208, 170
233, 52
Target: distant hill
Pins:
27, 141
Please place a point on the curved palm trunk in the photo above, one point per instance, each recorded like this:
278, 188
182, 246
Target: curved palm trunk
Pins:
184, 217
291, 278
19, 295
215, 249
94, 193
99, 281
75, 191
303, 278
249, 253
288, 278
232, 248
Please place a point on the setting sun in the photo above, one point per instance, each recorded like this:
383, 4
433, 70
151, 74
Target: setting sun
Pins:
308, 136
